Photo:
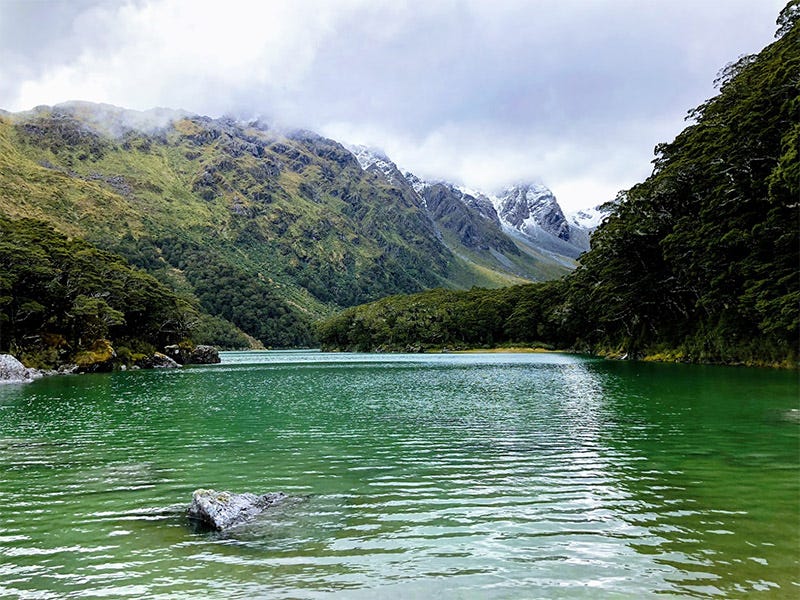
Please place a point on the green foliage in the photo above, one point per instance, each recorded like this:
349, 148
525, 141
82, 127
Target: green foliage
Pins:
58, 295
216, 331
699, 262
262, 230
707, 247
442, 319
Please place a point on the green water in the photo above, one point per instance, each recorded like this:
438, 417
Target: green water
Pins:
451, 476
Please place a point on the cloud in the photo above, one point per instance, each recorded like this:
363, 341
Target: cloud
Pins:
184, 53
573, 93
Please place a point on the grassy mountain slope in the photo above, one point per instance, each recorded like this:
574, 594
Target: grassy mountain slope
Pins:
266, 230
699, 262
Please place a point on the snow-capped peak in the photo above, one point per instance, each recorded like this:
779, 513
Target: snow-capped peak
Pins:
526, 209
587, 218
530, 206
374, 159
368, 156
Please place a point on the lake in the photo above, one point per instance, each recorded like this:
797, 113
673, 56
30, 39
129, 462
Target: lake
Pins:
409, 476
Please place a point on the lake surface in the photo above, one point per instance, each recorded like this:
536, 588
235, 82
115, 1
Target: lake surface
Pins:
410, 476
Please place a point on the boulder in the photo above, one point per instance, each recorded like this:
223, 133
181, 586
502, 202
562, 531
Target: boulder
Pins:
179, 353
222, 510
204, 355
13, 371
199, 355
158, 361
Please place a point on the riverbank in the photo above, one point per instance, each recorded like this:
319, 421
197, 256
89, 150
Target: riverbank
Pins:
103, 358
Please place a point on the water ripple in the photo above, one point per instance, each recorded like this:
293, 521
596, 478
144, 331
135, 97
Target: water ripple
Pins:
485, 476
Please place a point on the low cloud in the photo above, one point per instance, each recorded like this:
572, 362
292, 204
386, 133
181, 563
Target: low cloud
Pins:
575, 94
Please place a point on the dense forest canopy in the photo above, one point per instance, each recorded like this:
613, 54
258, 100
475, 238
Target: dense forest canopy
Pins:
59, 296
699, 262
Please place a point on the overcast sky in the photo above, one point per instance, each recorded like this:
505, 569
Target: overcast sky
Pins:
571, 93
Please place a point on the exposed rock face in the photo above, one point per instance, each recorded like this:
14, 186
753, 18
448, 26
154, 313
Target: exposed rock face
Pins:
158, 361
472, 219
222, 510
204, 355
13, 371
525, 207
531, 210
199, 355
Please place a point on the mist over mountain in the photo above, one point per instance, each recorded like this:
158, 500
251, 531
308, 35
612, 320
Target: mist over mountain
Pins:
264, 228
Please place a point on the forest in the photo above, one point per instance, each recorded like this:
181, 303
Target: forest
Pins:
64, 301
697, 263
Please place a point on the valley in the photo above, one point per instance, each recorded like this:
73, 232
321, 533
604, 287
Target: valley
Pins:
266, 230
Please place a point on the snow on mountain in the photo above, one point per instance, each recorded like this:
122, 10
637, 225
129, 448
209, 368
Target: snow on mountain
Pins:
418, 184
528, 211
530, 207
373, 159
587, 218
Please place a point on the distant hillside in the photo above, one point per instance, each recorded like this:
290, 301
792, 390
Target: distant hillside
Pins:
265, 229
700, 262
471, 228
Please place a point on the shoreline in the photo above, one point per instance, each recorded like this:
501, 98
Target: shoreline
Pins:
501, 350
617, 356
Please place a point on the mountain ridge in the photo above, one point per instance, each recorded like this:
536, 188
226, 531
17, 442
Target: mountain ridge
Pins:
266, 229
525, 211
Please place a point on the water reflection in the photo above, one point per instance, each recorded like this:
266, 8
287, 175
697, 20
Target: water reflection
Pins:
710, 473
456, 476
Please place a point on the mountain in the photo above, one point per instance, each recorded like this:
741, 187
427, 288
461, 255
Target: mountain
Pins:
584, 222
526, 215
265, 229
697, 263
468, 224
530, 210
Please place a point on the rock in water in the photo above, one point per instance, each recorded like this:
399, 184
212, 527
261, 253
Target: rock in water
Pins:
180, 354
13, 371
204, 355
199, 355
221, 510
158, 361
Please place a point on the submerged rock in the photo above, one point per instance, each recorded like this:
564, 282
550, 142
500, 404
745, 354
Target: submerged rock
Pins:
221, 510
13, 371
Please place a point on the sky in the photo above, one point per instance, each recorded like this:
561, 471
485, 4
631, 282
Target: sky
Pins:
574, 94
